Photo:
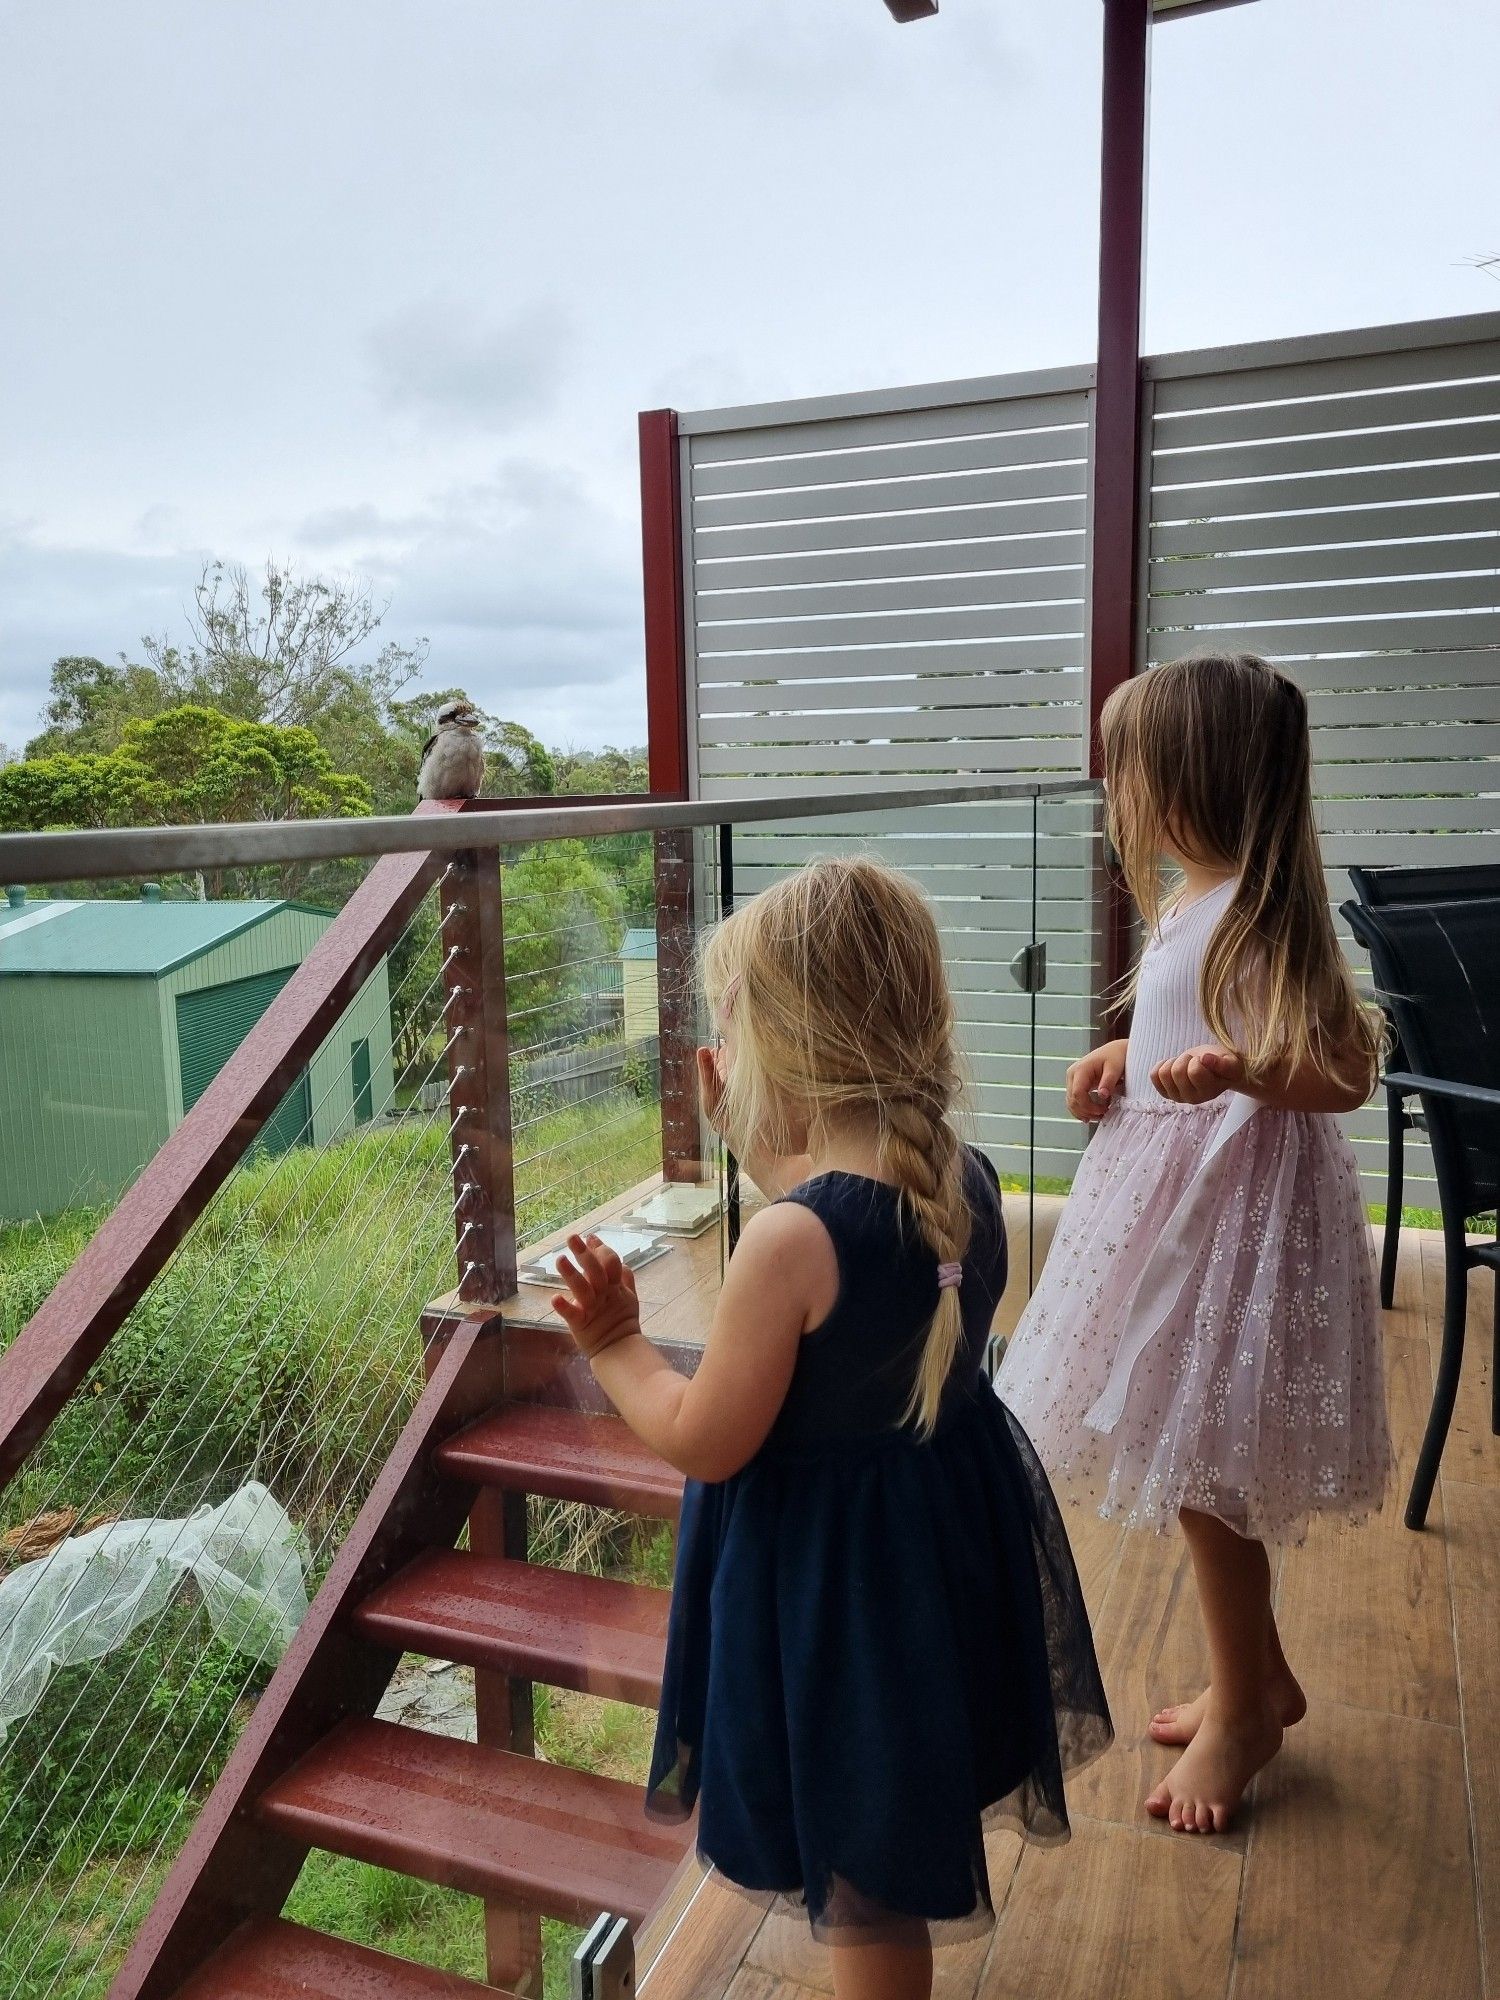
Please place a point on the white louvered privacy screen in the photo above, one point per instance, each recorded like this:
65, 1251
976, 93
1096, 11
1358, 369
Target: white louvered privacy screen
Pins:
891, 587
887, 589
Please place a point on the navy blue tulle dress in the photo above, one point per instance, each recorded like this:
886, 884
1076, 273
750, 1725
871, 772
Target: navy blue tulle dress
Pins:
878, 1645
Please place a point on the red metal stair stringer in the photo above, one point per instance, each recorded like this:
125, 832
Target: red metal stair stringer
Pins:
233, 1868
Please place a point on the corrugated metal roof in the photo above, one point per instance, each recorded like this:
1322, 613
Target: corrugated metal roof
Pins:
639, 944
128, 938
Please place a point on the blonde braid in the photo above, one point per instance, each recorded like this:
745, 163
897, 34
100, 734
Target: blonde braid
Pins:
921, 1150
842, 1010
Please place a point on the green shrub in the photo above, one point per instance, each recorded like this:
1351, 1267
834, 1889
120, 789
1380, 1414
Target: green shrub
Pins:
112, 1756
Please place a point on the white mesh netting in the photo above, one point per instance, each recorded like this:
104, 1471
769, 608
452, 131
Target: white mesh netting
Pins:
89, 1594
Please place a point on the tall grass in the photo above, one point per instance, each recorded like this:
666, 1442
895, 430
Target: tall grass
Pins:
280, 1343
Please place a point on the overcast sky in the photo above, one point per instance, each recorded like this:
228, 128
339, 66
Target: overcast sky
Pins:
379, 285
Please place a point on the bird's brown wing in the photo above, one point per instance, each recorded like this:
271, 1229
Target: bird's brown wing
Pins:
427, 746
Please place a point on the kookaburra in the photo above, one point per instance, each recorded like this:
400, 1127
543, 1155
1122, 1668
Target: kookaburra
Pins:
453, 756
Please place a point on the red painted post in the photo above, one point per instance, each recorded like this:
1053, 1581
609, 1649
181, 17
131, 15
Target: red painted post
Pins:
1115, 515
473, 942
666, 636
484, 1187
667, 734
677, 1008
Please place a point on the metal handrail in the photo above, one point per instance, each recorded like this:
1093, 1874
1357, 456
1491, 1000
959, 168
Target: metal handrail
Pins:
165, 850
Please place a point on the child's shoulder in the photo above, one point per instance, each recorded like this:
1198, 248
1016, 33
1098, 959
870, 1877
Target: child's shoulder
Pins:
786, 1224
786, 1231
789, 1245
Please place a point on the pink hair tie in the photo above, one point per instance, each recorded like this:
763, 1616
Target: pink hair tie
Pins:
950, 1277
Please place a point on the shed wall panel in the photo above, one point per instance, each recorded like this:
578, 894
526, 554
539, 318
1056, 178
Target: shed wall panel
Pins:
83, 1096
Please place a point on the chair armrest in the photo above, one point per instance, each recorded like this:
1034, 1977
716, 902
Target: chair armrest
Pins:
1436, 1086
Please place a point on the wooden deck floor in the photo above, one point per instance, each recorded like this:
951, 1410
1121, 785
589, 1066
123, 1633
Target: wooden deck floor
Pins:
1368, 1863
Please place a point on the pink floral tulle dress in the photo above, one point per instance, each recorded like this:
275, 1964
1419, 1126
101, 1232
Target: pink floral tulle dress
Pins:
1206, 1330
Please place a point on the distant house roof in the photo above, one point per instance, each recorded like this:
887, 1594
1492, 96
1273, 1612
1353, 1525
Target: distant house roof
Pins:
639, 944
141, 938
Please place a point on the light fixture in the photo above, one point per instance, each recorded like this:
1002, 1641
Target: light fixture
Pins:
1164, 10
923, 10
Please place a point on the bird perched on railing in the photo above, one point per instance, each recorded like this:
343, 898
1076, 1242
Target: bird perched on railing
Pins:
453, 756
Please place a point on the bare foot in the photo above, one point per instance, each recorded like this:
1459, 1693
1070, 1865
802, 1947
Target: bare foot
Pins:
1204, 1787
1178, 1723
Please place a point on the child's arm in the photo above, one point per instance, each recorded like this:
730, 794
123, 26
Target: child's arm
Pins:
1198, 1075
1094, 1080
781, 1282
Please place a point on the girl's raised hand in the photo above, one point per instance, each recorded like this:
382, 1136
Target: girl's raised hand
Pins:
1199, 1075
600, 1305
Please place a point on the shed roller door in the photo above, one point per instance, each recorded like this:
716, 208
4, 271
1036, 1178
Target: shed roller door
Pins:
211, 1024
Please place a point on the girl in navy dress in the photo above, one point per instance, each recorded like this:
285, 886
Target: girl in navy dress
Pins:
878, 1646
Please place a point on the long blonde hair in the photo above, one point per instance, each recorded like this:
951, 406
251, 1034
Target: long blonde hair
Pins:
841, 1005
1211, 754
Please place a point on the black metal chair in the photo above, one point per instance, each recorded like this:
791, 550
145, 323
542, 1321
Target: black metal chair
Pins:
1437, 972
1378, 888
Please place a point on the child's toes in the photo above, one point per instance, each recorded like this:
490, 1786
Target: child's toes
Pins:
1179, 1722
1159, 1802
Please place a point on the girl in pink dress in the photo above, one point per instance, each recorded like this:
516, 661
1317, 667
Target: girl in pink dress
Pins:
1204, 1344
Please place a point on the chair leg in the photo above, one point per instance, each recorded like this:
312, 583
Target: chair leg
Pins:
1395, 1181
1445, 1388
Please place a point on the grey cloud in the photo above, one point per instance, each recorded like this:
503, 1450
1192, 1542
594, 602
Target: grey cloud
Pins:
530, 544
76, 599
444, 359
782, 53
360, 522
524, 583
527, 590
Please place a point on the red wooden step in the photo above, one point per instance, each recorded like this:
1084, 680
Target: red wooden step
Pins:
549, 1625
267, 1959
485, 1821
564, 1455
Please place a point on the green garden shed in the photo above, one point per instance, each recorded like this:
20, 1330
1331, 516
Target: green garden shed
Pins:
116, 1016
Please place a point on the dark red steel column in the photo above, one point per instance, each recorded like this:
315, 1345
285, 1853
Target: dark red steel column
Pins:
1115, 523
473, 940
666, 637
484, 1186
677, 1007
667, 732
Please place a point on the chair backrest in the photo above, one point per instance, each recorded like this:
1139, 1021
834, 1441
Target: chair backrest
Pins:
1378, 887
1437, 974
